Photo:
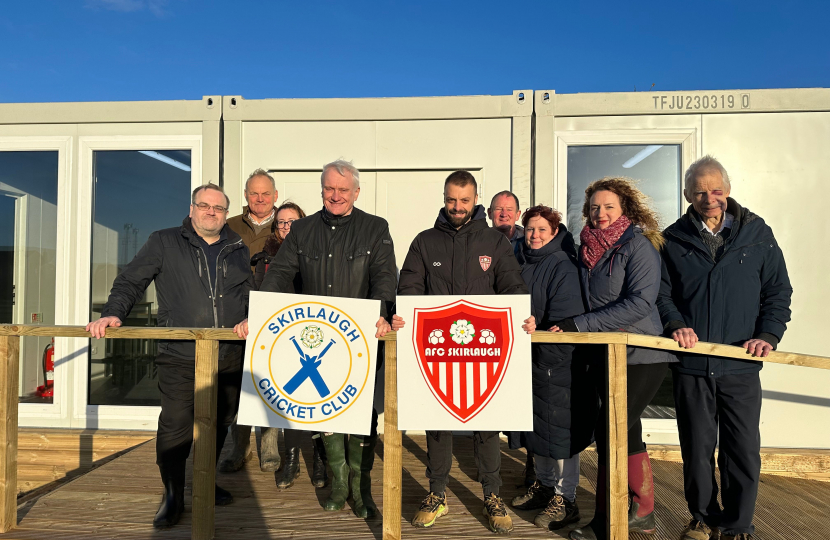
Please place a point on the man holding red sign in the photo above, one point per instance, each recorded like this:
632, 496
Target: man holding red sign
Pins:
461, 255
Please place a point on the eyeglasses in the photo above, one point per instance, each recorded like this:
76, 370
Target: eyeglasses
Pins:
285, 224
216, 208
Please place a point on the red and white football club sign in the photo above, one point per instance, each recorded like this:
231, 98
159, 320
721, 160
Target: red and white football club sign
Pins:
458, 366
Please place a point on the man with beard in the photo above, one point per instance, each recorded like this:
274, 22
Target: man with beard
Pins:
462, 255
341, 251
202, 272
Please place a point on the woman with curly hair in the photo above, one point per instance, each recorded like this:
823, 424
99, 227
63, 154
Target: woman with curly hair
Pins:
619, 266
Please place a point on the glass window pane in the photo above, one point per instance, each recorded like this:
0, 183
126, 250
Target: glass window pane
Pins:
136, 193
657, 169
28, 238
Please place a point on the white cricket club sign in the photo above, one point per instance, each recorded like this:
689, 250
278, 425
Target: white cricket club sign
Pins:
309, 363
464, 363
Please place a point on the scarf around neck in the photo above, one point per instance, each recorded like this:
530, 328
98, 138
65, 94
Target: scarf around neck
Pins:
595, 242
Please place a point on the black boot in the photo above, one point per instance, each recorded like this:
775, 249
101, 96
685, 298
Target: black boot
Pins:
269, 456
318, 466
336, 453
291, 469
172, 501
241, 452
222, 497
361, 460
530, 470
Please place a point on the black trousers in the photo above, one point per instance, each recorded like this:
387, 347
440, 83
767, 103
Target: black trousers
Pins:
643, 381
487, 456
730, 407
175, 427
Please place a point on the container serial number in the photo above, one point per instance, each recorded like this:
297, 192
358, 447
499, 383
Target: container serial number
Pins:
701, 102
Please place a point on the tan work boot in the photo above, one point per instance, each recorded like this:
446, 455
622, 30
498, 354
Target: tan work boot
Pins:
697, 530
433, 507
497, 518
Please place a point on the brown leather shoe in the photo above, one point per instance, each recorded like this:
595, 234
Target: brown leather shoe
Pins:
497, 518
697, 530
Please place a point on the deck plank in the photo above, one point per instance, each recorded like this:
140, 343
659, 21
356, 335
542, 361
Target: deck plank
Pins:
118, 500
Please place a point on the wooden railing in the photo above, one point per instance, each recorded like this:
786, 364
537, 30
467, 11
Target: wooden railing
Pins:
205, 392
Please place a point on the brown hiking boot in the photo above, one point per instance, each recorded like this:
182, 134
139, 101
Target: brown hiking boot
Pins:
558, 513
433, 507
697, 530
497, 518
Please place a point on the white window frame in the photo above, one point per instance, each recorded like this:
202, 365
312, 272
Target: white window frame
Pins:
112, 416
55, 414
687, 138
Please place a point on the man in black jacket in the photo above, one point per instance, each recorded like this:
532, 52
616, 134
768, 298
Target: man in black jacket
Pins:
462, 255
203, 276
724, 281
341, 251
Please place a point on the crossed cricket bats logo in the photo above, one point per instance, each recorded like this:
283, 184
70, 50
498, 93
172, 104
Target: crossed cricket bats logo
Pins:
309, 370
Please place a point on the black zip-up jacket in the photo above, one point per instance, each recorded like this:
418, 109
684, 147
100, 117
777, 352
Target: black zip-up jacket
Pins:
475, 259
745, 294
174, 258
348, 256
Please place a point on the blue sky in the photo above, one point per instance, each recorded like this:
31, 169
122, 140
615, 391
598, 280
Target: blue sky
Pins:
103, 50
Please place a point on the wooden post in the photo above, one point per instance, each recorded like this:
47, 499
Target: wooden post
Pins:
617, 426
9, 366
391, 448
204, 434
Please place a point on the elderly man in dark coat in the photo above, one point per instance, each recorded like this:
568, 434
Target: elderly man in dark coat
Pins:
724, 281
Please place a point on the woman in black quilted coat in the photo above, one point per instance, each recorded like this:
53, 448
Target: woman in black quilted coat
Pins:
564, 400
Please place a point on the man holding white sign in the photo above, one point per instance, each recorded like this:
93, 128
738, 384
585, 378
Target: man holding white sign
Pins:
345, 252
461, 255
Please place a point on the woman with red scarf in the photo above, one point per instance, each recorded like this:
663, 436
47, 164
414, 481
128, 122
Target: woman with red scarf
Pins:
619, 266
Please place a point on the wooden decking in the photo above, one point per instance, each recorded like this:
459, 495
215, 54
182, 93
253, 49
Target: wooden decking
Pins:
119, 499
47, 458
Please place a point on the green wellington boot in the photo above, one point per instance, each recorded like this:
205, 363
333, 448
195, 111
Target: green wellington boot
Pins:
335, 444
361, 460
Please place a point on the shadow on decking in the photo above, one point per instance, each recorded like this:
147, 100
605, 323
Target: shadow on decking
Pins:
119, 499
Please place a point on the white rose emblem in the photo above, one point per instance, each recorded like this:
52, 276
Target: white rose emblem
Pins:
462, 332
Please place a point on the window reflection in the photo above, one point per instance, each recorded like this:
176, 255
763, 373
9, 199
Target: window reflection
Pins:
655, 167
28, 240
136, 193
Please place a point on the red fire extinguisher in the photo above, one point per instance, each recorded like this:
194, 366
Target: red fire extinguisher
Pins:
47, 390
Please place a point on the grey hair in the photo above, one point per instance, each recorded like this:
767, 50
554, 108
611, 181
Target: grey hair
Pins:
260, 172
342, 166
706, 163
207, 186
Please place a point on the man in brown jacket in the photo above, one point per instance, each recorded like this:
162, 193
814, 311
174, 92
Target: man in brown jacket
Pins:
258, 219
255, 225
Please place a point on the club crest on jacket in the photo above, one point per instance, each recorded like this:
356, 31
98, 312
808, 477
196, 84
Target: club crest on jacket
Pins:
484, 261
310, 362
